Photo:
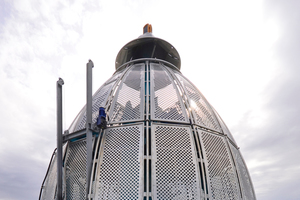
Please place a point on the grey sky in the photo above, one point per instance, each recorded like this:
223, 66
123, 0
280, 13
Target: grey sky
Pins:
243, 56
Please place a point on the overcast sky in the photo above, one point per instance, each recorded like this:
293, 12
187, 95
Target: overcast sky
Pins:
242, 55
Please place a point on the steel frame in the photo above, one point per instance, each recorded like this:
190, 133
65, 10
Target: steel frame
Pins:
148, 123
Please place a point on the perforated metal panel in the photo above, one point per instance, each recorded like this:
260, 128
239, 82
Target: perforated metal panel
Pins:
200, 107
247, 188
221, 171
99, 100
77, 120
75, 170
115, 76
49, 188
224, 127
163, 141
119, 175
175, 171
128, 103
165, 102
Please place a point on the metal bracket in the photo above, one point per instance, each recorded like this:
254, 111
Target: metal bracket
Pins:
79, 134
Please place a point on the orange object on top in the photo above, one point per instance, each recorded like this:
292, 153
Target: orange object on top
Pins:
148, 28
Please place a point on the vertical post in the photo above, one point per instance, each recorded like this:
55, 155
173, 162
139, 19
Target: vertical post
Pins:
89, 134
59, 84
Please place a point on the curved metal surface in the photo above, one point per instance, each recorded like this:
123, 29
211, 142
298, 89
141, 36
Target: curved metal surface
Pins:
164, 140
148, 47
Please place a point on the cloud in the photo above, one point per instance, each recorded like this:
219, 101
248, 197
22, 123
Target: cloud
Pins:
247, 68
271, 149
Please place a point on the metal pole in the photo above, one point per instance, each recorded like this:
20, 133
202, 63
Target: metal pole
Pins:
89, 133
59, 84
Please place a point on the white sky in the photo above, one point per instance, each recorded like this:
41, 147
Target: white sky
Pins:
242, 55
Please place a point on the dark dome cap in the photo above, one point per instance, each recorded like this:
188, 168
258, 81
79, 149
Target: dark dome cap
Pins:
148, 46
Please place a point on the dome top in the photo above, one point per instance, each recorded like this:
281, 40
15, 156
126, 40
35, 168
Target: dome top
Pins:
148, 46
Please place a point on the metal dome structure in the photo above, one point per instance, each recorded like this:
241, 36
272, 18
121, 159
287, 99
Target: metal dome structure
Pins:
163, 139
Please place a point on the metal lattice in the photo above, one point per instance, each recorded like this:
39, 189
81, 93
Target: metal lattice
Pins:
99, 100
115, 77
174, 164
200, 107
49, 188
224, 127
247, 188
120, 167
163, 140
166, 103
75, 170
222, 174
128, 103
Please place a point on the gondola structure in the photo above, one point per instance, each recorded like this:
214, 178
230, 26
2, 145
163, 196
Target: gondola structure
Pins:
147, 133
